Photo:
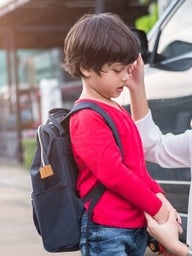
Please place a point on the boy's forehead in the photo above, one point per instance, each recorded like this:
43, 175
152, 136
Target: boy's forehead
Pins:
113, 65
116, 64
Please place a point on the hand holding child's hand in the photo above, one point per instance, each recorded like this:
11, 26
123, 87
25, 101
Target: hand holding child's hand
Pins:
167, 233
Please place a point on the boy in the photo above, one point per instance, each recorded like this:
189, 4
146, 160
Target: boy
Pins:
101, 50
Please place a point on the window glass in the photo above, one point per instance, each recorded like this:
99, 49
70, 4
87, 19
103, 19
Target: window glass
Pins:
178, 31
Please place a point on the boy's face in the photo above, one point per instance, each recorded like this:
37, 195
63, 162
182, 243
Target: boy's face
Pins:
109, 84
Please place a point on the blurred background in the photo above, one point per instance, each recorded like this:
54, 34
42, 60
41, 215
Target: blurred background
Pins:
32, 79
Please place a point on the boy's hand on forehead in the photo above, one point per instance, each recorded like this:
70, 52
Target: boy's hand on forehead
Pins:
136, 74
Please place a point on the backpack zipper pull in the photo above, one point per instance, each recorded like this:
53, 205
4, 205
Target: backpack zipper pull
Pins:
46, 170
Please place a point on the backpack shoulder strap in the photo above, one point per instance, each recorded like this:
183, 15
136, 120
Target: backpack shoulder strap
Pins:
96, 192
104, 114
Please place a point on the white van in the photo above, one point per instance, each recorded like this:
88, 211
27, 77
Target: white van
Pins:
167, 52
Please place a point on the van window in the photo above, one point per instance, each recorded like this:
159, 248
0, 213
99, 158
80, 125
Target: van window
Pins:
175, 43
178, 28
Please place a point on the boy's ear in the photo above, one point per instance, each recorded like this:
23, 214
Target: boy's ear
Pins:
85, 72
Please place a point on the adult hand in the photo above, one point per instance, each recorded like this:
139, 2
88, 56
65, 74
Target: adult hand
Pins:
136, 74
136, 86
167, 233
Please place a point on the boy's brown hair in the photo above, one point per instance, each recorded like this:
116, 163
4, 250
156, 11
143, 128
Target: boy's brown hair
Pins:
98, 39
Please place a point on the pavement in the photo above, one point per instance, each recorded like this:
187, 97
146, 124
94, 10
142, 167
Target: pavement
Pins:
18, 236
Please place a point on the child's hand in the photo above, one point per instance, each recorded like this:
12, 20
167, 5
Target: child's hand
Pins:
168, 205
136, 74
162, 215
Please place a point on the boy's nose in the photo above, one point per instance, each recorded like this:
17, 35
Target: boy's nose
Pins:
125, 77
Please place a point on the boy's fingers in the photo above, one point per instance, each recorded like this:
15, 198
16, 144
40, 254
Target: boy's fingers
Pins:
173, 215
174, 218
180, 229
179, 220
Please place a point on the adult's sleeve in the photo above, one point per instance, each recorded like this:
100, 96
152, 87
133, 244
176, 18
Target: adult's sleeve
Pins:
167, 150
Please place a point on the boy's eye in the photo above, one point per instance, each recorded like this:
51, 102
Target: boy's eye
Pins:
117, 70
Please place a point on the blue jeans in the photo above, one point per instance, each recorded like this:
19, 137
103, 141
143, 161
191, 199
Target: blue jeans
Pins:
108, 241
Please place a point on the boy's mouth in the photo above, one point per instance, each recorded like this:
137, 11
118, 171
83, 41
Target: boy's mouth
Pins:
120, 88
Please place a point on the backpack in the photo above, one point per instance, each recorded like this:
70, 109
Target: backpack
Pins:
57, 208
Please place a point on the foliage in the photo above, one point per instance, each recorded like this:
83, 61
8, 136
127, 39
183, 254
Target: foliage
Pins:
146, 22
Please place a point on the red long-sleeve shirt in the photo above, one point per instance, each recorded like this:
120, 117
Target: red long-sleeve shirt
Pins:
130, 189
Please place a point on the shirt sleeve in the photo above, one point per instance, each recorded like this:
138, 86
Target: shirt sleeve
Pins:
95, 148
167, 150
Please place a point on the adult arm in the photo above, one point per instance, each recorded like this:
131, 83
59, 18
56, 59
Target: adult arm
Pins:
136, 86
166, 150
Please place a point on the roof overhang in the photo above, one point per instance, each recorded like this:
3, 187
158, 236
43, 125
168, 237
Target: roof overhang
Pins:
44, 23
7, 6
